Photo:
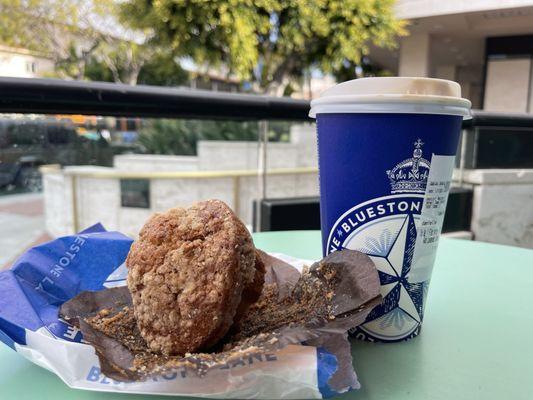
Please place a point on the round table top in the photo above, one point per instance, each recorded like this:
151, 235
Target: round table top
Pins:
475, 341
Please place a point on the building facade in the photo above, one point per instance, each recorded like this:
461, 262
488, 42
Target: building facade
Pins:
485, 45
22, 63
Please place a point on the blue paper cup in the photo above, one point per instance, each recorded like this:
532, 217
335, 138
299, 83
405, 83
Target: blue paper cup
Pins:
386, 155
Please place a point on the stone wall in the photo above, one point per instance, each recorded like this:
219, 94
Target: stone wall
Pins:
154, 163
502, 210
57, 189
98, 199
301, 151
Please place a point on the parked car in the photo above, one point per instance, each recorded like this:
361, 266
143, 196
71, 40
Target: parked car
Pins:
26, 144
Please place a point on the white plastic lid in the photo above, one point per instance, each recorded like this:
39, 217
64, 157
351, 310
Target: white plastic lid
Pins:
393, 95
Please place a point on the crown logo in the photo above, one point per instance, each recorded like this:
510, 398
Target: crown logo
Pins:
410, 176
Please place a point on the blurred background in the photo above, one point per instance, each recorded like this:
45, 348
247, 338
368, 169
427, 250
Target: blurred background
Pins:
111, 110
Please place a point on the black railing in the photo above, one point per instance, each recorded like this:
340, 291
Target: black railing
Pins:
53, 96
495, 119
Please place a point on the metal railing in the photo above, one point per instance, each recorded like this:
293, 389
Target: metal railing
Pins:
482, 118
53, 96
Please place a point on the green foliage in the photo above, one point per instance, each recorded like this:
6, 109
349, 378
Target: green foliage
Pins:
36, 24
76, 34
168, 137
96, 70
123, 58
57, 29
164, 136
268, 41
162, 70
180, 136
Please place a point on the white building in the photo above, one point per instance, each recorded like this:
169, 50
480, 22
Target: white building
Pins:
486, 45
22, 63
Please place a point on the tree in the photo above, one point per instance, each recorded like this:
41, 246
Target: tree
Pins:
59, 29
74, 34
163, 70
160, 70
96, 70
124, 59
123, 50
269, 42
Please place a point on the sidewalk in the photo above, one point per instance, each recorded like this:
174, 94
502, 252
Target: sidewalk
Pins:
22, 225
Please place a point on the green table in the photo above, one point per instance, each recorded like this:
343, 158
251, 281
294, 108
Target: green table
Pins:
476, 341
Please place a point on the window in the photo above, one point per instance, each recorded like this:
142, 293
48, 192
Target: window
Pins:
135, 193
31, 66
504, 148
131, 124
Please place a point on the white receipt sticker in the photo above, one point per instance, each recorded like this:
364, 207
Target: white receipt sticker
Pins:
432, 217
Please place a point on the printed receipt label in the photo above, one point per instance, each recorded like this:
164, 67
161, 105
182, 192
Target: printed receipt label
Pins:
432, 217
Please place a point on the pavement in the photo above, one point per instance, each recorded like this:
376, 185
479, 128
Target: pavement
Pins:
21, 225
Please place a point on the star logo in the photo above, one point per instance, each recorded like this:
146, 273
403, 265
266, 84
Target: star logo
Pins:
402, 303
400, 313
385, 228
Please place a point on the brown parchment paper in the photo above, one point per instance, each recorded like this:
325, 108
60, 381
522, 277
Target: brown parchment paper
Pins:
346, 285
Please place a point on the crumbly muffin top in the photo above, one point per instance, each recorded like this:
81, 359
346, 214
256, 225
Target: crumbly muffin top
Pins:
187, 272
